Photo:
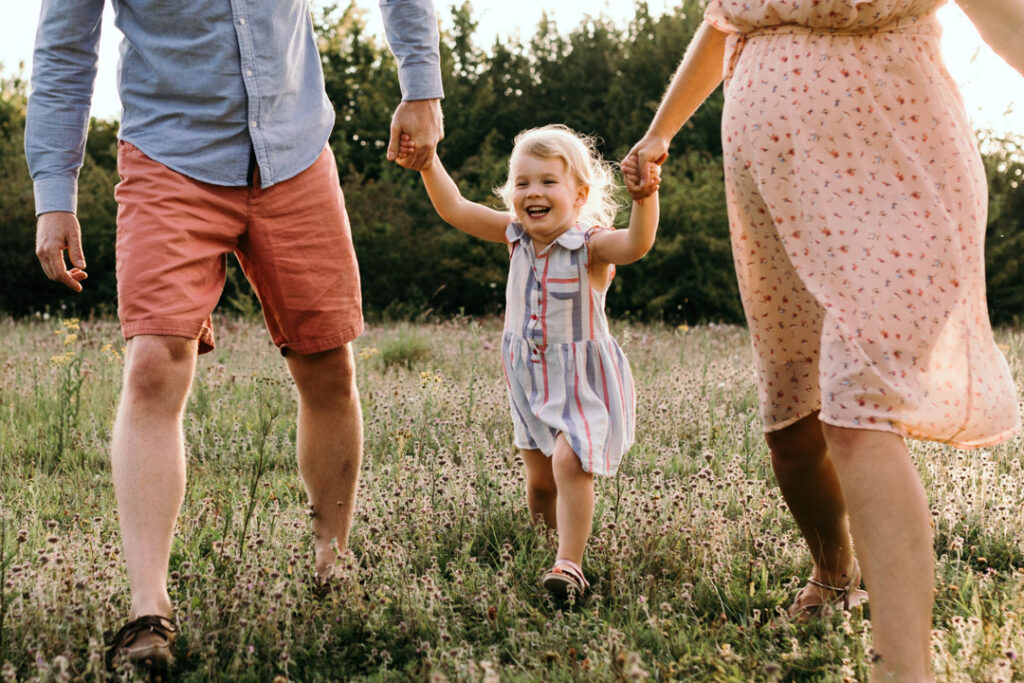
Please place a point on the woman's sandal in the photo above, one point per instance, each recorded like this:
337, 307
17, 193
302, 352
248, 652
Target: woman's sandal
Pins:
818, 599
155, 656
565, 580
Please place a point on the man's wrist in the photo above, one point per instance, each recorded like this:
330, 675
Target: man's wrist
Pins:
420, 82
56, 194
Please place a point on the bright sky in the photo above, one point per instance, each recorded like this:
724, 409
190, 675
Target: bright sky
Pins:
993, 92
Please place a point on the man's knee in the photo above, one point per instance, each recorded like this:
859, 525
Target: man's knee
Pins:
158, 369
326, 376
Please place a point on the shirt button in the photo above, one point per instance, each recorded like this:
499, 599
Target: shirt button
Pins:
252, 123
248, 72
242, 21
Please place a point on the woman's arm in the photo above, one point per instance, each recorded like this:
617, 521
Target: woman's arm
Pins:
469, 217
698, 75
1001, 25
620, 247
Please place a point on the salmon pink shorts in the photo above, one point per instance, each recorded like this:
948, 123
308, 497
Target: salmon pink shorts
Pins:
292, 240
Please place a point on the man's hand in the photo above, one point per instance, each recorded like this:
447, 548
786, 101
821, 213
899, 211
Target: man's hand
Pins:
641, 166
55, 232
421, 122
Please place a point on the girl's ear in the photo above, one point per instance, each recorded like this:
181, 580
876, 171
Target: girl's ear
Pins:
582, 193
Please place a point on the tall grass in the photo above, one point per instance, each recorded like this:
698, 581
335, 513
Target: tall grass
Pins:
694, 557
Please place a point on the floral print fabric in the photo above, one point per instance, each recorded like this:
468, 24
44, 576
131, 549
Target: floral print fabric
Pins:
857, 203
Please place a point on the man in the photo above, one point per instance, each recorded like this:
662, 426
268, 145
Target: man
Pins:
222, 149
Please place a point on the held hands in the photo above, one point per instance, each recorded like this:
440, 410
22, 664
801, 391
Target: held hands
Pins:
641, 168
421, 124
55, 232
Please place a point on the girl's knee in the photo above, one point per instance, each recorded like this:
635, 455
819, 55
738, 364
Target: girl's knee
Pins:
542, 489
565, 463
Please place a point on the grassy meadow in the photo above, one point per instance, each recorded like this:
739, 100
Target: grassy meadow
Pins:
694, 558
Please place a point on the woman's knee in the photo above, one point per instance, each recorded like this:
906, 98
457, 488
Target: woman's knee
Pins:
800, 443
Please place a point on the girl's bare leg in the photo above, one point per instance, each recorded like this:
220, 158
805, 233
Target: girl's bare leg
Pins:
541, 490
575, 502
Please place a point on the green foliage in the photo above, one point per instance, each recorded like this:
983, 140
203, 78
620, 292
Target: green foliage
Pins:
409, 349
1004, 239
599, 77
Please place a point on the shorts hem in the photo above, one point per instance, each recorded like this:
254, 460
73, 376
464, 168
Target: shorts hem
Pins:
306, 348
164, 328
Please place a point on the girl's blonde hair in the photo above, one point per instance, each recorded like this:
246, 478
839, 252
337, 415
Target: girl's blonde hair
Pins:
581, 159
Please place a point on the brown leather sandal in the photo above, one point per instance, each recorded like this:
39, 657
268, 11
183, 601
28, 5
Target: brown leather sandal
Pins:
565, 580
818, 599
156, 657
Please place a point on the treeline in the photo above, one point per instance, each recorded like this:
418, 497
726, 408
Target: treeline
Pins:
599, 78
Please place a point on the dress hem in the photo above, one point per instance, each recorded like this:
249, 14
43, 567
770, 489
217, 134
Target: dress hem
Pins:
901, 430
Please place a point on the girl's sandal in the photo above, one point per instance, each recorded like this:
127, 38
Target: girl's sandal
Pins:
565, 580
154, 656
818, 599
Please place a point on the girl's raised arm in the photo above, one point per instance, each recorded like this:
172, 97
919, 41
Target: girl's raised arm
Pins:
626, 246
469, 217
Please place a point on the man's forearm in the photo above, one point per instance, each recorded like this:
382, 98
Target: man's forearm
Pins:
57, 121
411, 28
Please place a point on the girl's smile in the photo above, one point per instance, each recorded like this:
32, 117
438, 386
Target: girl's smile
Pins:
546, 198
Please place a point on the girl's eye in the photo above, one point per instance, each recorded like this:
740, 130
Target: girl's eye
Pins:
520, 184
550, 182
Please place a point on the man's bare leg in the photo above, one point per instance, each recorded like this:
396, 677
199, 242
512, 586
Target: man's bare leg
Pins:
330, 444
148, 462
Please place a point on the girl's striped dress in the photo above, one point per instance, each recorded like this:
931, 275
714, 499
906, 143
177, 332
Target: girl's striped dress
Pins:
565, 372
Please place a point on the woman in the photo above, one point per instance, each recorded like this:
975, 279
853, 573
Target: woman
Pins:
857, 203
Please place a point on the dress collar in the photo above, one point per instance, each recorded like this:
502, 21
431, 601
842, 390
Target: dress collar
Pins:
571, 239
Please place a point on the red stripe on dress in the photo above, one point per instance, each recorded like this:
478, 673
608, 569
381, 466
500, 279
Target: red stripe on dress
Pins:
544, 327
604, 387
564, 280
579, 407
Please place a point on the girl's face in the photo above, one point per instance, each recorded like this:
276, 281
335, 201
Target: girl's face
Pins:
546, 197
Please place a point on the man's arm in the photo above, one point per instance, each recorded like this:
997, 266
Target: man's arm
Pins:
57, 122
411, 28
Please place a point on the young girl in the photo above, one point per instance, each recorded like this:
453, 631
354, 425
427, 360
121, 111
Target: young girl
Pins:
569, 384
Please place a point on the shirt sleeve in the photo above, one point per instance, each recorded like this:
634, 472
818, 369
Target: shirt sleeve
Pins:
411, 28
57, 120
1001, 25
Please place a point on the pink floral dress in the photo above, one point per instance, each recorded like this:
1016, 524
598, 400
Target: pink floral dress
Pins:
857, 202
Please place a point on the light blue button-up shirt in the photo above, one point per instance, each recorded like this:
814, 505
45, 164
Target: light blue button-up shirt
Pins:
203, 85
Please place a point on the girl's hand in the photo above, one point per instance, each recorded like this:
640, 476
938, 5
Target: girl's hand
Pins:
406, 151
632, 176
643, 162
